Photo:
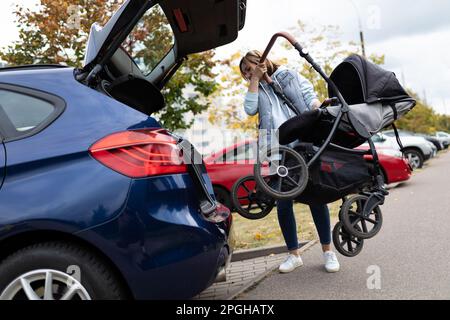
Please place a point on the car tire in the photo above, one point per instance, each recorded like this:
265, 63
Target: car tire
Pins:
415, 158
223, 196
70, 268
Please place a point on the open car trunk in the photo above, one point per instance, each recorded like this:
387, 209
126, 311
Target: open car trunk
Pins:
196, 26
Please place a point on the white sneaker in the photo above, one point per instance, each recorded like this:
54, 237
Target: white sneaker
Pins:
290, 263
331, 261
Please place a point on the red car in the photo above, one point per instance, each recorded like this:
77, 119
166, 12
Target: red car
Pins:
395, 168
226, 166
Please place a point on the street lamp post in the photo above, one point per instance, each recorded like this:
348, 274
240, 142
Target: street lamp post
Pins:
361, 34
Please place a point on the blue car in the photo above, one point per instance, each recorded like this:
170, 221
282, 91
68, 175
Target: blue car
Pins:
97, 200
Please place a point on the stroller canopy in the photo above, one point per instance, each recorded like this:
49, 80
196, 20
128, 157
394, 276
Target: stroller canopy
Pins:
361, 81
375, 97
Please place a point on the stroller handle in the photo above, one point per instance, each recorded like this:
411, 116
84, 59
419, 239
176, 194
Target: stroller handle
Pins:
304, 54
274, 38
285, 35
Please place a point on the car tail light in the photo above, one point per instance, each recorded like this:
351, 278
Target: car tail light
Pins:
140, 153
220, 214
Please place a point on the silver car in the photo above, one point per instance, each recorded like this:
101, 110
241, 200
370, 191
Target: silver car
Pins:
417, 149
444, 138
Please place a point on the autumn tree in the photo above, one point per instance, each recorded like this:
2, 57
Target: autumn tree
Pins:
423, 119
56, 32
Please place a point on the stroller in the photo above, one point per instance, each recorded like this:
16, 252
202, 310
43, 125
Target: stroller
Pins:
322, 167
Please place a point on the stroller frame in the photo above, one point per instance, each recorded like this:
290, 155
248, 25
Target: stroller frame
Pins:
369, 200
379, 192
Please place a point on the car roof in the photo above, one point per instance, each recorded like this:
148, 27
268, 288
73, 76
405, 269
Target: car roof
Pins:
32, 67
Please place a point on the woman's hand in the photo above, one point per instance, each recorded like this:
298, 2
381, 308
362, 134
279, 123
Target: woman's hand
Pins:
258, 72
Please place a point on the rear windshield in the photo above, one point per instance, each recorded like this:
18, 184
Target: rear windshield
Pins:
151, 39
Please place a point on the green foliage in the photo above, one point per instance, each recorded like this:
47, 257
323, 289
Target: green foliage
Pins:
423, 119
196, 74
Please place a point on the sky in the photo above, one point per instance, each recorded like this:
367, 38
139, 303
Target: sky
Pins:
414, 35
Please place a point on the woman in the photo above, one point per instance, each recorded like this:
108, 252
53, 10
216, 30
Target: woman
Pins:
273, 112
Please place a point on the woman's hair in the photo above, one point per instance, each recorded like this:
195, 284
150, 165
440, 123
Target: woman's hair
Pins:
254, 56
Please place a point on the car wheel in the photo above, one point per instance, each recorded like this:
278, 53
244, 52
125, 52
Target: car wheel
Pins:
223, 196
415, 158
57, 271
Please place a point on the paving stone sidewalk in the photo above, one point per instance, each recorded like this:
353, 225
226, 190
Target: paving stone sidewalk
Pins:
243, 274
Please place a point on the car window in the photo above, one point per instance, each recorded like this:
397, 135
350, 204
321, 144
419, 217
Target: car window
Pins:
400, 133
241, 153
23, 111
377, 139
151, 39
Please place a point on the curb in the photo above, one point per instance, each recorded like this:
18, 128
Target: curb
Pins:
261, 252
255, 281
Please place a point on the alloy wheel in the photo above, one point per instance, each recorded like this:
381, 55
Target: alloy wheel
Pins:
45, 284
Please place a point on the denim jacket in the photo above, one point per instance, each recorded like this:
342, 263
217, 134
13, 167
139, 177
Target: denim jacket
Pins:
298, 90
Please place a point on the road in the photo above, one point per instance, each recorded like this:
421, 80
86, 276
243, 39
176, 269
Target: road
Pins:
408, 259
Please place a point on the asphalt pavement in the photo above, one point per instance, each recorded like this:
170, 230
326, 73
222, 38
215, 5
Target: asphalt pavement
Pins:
408, 259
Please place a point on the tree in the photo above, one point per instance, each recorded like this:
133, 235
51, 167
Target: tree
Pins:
423, 119
56, 31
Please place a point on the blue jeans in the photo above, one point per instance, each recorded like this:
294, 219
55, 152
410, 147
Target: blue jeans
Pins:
286, 219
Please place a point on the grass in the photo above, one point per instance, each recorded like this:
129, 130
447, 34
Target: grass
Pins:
266, 232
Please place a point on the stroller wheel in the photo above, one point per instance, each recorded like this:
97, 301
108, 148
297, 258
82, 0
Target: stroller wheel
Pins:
250, 202
346, 244
356, 222
282, 173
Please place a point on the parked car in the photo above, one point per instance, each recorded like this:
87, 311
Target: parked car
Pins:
434, 140
394, 167
228, 165
417, 149
444, 137
97, 199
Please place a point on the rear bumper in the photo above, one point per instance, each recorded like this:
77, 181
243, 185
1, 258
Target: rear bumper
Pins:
225, 257
162, 245
397, 170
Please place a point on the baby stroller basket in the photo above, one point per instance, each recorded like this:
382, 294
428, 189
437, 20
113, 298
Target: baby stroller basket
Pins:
334, 175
